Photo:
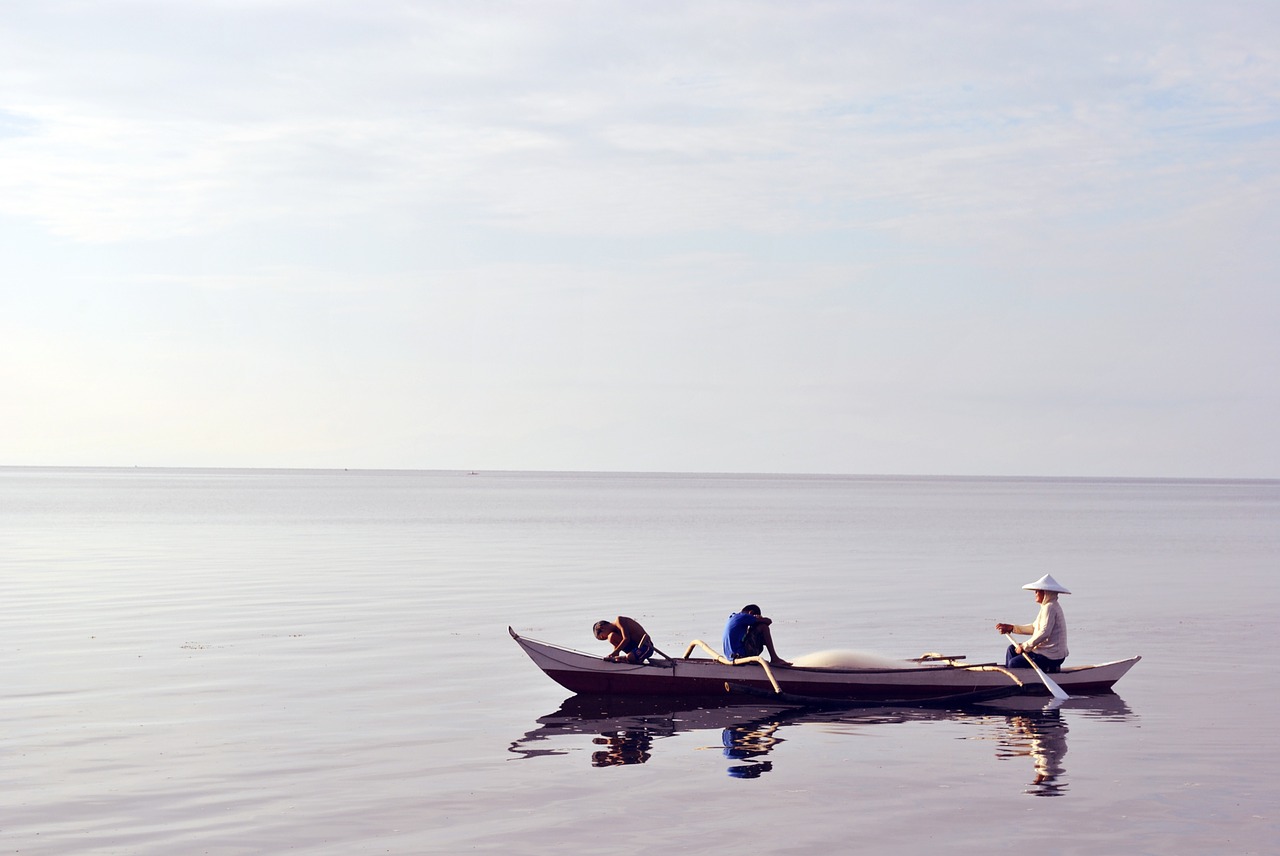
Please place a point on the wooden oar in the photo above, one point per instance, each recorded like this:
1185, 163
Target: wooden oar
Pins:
1048, 682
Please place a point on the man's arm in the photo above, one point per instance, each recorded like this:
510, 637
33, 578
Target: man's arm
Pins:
631, 629
628, 629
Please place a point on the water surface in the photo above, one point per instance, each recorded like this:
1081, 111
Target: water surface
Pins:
233, 662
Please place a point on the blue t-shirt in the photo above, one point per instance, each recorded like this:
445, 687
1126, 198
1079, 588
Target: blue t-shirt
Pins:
735, 630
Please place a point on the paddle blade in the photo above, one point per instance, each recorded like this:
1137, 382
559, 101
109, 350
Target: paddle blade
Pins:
1058, 692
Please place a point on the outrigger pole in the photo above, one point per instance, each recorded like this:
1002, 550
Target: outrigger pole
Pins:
740, 661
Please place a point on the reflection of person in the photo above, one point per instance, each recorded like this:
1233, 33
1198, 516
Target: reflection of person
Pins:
1044, 738
628, 746
630, 643
746, 634
749, 743
1048, 642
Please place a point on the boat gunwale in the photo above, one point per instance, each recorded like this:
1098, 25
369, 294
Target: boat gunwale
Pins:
826, 670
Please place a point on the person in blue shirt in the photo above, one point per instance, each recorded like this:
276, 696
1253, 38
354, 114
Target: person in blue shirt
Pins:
747, 634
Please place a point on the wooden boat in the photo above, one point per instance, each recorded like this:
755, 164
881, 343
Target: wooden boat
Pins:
929, 680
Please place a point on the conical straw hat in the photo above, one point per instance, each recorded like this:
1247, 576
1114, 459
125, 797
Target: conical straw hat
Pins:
1047, 583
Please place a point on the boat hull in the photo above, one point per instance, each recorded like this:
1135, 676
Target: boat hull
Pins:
912, 683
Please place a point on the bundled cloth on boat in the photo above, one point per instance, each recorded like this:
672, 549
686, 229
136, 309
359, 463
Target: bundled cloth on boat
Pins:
846, 659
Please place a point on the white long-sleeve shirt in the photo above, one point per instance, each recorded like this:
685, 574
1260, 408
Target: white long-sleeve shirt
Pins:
1048, 633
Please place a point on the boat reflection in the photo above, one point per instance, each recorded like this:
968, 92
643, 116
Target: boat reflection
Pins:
625, 731
628, 727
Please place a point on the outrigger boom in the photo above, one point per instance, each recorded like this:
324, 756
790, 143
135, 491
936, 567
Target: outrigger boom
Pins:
736, 661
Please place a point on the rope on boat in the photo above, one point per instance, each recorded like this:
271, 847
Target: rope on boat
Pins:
656, 649
665, 663
934, 657
740, 661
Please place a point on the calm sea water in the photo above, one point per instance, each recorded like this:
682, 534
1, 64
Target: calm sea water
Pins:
246, 662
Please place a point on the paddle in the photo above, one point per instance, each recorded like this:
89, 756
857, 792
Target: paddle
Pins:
1049, 683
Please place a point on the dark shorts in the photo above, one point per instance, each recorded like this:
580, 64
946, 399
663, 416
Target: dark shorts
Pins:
640, 651
752, 645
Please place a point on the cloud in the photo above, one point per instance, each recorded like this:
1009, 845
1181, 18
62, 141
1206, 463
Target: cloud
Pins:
576, 118
746, 235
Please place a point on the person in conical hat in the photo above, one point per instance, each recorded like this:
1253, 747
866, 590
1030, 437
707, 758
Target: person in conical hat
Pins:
1048, 642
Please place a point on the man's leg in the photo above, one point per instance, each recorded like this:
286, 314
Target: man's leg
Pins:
767, 638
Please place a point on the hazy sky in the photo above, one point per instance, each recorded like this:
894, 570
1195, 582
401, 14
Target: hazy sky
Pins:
839, 237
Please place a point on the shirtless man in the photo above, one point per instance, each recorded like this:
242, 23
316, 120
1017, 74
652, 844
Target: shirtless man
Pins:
631, 644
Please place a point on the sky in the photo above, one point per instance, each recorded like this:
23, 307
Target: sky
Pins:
936, 238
